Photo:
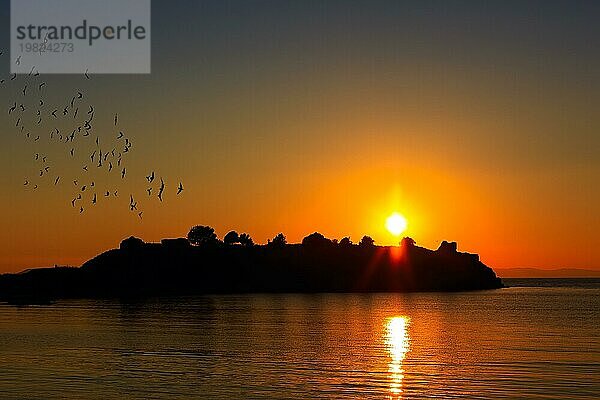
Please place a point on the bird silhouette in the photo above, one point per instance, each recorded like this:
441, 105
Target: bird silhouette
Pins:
161, 189
180, 188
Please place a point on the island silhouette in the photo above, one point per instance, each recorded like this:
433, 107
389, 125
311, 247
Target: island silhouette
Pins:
204, 264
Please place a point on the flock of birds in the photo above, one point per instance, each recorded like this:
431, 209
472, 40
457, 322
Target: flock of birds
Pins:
72, 126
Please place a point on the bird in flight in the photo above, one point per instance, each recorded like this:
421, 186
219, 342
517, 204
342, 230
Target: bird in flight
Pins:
161, 189
180, 188
132, 203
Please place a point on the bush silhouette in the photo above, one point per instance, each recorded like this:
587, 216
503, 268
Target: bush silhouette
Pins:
316, 240
366, 241
345, 242
279, 240
231, 238
246, 240
407, 242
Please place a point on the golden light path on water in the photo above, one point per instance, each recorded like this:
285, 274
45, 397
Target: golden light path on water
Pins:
397, 343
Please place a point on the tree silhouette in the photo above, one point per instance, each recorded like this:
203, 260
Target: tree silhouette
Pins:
202, 235
231, 238
279, 240
246, 240
366, 241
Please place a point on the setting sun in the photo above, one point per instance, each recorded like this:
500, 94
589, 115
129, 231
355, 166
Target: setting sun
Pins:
396, 224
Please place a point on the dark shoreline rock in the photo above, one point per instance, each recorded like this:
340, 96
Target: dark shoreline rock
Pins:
173, 267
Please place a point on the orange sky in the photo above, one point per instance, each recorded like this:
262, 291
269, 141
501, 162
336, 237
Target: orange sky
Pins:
487, 138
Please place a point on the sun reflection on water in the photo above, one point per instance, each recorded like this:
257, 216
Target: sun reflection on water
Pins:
397, 343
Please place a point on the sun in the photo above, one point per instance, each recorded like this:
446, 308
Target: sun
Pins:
396, 224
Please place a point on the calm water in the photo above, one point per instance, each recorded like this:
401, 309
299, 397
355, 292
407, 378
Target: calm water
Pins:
522, 342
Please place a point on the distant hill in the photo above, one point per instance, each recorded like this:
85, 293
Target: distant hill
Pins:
546, 273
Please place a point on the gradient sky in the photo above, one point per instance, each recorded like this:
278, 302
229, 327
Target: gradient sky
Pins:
478, 121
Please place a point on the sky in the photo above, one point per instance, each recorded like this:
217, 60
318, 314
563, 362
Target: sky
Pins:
477, 121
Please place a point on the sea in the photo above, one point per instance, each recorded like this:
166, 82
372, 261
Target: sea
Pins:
536, 339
